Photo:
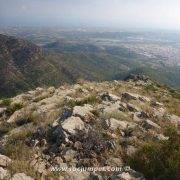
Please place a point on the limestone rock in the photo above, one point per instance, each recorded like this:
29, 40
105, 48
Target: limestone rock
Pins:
83, 112
21, 176
4, 173
4, 160
175, 120
112, 107
73, 123
69, 155
114, 124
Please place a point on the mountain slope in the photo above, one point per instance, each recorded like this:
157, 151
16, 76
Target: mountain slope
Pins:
109, 124
21, 62
24, 66
107, 61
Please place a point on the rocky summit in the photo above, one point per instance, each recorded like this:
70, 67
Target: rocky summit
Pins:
131, 124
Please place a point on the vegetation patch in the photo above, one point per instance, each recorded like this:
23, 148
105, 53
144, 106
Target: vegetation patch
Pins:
11, 109
159, 160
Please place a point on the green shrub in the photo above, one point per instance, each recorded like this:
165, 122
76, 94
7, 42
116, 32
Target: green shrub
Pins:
6, 102
5, 128
92, 99
159, 160
150, 87
20, 154
11, 109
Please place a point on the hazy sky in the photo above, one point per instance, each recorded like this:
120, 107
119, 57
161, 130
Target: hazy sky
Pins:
117, 13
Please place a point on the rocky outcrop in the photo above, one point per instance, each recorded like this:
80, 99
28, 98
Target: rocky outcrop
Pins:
72, 124
84, 112
83, 125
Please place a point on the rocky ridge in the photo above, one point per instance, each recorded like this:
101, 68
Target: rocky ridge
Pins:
83, 125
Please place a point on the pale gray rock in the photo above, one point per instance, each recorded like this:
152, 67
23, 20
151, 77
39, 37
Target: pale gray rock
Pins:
83, 111
111, 108
114, 124
21, 176
175, 120
69, 155
130, 175
4, 161
159, 112
51, 90
72, 124
4, 174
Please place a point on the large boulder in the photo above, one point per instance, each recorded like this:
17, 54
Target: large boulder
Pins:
21, 176
4, 161
72, 124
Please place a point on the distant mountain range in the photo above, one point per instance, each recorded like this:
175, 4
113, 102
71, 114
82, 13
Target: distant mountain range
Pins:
24, 65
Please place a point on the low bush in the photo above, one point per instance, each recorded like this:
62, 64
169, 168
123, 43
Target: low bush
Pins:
92, 99
6, 102
159, 160
11, 109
